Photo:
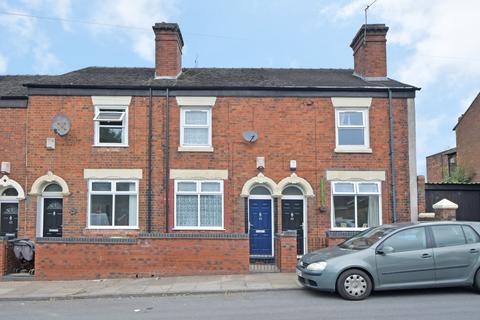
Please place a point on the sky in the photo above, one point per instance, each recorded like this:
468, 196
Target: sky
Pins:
432, 44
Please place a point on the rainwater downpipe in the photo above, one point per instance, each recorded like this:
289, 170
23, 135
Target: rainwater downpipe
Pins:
167, 158
150, 157
392, 157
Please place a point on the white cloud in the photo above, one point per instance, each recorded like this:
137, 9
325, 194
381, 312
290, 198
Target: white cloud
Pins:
137, 14
3, 64
440, 35
30, 37
61, 9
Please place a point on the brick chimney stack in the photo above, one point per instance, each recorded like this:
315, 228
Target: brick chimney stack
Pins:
168, 50
370, 52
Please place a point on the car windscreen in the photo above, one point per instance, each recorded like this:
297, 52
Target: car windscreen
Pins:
366, 238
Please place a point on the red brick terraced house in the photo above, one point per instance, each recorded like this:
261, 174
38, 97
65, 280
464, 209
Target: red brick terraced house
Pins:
119, 172
467, 132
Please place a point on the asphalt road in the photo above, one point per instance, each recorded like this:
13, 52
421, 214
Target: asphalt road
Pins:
440, 304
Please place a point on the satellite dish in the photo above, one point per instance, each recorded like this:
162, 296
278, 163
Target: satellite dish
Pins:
250, 136
61, 124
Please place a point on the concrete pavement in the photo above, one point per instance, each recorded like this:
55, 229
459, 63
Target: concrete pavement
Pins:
108, 288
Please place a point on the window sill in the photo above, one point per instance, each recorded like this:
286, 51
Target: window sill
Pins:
111, 228
347, 229
334, 233
198, 229
352, 150
195, 149
110, 145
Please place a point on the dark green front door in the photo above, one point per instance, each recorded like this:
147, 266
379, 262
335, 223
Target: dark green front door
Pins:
52, 217
8, 219
292, 219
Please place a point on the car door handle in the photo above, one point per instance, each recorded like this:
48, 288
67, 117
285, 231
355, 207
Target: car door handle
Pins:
426, 255
473, 250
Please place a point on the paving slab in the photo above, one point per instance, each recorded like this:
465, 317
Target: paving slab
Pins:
84, 289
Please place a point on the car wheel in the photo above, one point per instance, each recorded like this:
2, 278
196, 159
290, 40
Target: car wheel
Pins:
476, 281
354, 284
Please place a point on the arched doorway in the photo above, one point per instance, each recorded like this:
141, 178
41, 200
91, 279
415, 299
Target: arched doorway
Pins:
50, 190
52, 210
295, 191
10, 194
294, 217
260, 221
260, 192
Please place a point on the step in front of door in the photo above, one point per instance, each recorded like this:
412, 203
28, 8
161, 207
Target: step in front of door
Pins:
266, 265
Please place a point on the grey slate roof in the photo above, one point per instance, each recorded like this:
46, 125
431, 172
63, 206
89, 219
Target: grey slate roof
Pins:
229, 78
261, 78
12, 86
448, 151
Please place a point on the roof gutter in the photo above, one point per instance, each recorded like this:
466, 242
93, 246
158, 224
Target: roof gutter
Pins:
287, 88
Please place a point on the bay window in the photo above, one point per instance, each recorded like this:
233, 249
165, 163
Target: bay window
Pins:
199, 204
113, 204
356, 205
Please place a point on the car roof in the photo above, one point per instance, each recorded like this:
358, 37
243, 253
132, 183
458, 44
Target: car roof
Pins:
399, 225
404, 225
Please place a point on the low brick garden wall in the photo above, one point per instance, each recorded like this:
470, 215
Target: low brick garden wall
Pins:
150, 255
8, 262
336, 237
3, 257
286, 251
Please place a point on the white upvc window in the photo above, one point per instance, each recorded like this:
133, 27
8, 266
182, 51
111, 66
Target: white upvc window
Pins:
196, 127
113, 204
352, 129
199, 205
356, 205
111, 126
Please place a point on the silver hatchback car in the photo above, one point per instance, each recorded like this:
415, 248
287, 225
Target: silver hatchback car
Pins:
397, 256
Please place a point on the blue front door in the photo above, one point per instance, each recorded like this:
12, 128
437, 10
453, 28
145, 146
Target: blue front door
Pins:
260, 212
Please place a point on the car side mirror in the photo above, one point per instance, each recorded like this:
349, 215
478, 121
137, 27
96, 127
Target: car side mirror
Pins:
385, 250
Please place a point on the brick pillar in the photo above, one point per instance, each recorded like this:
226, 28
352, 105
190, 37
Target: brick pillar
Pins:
286, 251
421, 193
445, 210
3, 257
